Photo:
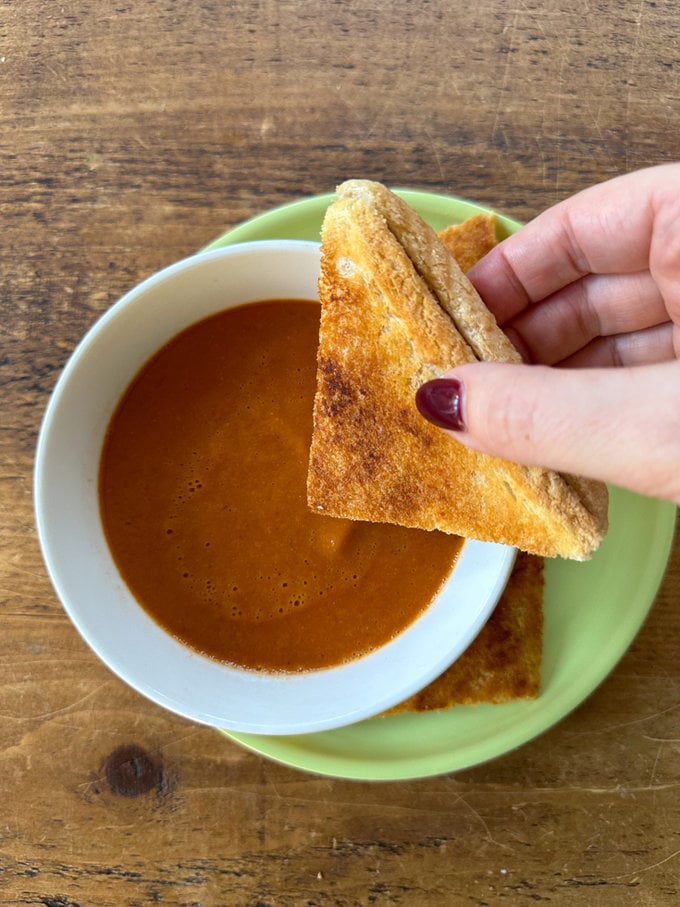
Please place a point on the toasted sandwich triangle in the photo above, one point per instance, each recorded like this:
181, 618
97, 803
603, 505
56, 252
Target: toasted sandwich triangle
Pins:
387, 290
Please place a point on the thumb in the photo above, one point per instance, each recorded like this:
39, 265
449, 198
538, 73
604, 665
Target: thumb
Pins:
620, 425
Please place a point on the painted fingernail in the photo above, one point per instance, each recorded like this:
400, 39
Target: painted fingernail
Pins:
441, 402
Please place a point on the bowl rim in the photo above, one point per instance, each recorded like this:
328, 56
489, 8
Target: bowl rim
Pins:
131, 658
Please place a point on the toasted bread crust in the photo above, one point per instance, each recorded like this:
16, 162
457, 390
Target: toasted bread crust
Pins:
470, 241
384, 331
440, 271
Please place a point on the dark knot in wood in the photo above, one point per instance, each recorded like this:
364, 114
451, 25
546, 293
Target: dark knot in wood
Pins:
131, 771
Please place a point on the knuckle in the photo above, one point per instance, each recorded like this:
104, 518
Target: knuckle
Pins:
583, 314
572, 247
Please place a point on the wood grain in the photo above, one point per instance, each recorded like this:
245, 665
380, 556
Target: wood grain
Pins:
132, 134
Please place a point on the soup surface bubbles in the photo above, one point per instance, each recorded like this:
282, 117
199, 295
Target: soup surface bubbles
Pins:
202, 491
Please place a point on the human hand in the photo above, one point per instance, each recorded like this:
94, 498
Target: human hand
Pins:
589, 292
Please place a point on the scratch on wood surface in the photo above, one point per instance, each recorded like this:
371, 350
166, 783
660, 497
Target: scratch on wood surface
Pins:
52, 713
505, 78
212, 789
487, 831
435, 153
620, 789
647, 868
382, 114
17, 593
632, 69
61, 76
34, 574
652, 774
608, 728
180, 738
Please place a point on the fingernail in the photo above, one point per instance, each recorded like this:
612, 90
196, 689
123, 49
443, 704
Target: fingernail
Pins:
441, 402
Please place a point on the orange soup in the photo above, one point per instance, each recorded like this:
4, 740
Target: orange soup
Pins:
202, 492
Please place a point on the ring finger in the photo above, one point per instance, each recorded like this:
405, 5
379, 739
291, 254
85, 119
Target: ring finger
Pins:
638, 348
599, 305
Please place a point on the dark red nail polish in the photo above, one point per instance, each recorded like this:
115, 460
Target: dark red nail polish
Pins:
441, 402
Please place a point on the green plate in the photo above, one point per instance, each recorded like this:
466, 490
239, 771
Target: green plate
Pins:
592, 610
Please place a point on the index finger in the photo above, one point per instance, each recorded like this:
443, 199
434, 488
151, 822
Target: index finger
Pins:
605, 229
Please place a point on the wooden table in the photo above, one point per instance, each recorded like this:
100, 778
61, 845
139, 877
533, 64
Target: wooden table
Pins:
132, 134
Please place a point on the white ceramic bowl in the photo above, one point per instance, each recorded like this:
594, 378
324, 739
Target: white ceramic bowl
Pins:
90, 587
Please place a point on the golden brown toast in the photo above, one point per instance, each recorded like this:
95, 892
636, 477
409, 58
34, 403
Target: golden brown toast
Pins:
471, 240
396, 311
503, 663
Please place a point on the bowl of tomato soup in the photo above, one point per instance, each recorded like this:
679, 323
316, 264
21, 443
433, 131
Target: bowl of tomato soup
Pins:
170, 498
